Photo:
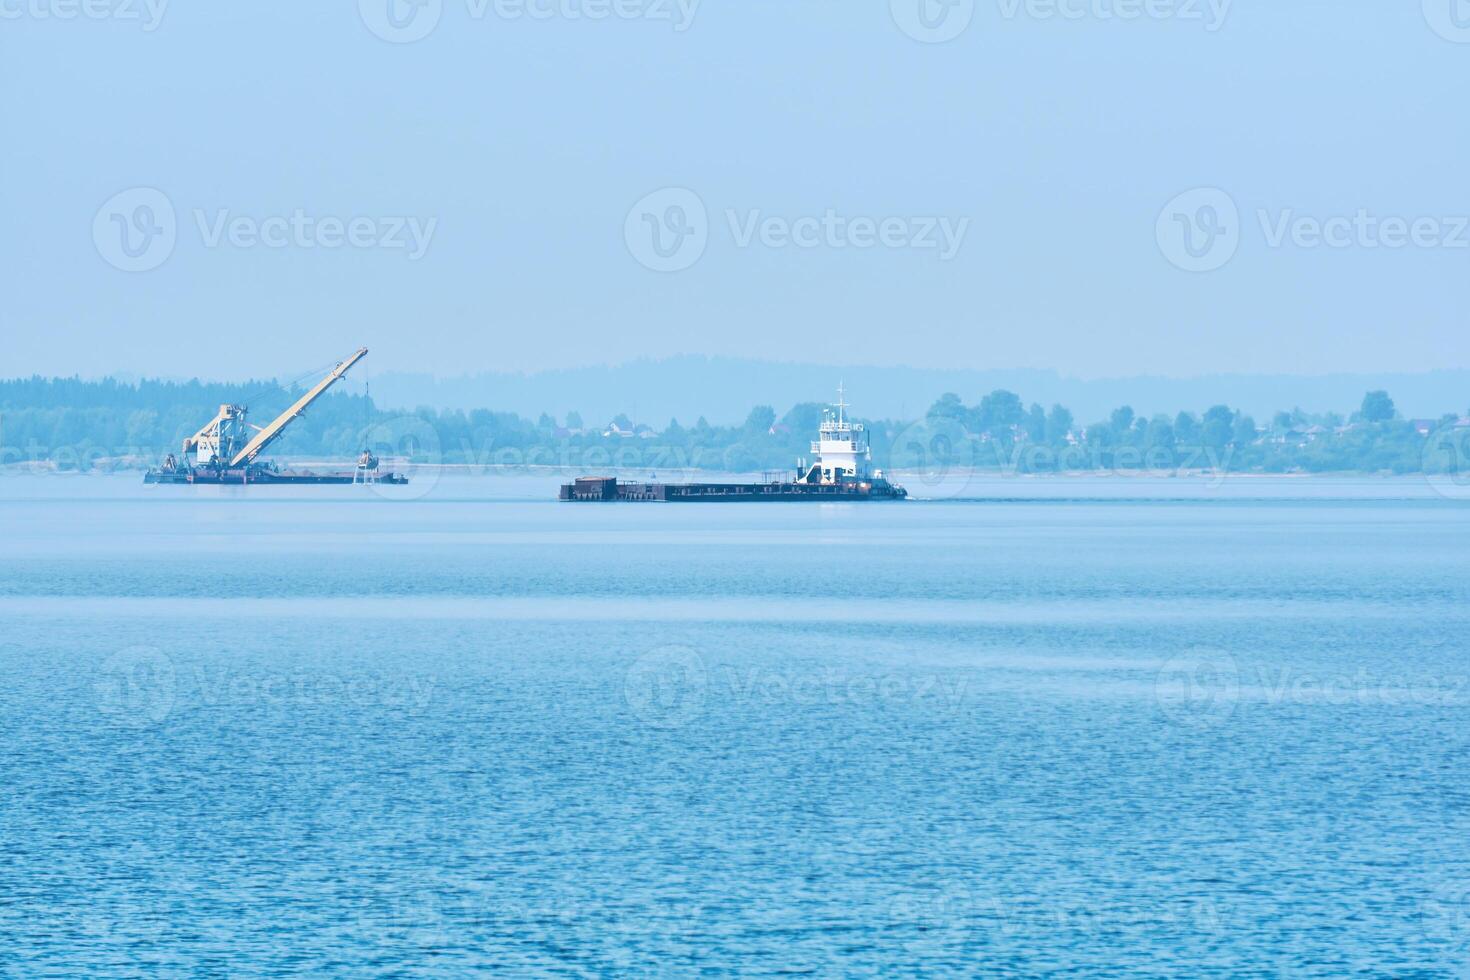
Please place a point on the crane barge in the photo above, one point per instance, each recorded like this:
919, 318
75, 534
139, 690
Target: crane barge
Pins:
227, 448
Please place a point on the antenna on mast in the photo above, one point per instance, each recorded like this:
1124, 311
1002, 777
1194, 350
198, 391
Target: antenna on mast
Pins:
840, 403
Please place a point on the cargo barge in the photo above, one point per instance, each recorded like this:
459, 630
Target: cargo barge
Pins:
840, 470
611, 488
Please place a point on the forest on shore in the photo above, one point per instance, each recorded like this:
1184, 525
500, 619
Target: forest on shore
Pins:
71, 424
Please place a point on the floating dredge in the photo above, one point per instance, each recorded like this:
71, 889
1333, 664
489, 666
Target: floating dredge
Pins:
226, 450
841, 469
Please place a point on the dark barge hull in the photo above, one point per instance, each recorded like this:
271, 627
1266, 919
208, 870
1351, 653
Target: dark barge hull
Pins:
240, 478
607, 489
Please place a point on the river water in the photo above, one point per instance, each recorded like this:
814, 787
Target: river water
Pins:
1092, 725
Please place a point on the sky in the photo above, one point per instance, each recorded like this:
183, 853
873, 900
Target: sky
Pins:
1105, 188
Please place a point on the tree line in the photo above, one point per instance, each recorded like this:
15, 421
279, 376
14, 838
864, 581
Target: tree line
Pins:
71, 423
998, 431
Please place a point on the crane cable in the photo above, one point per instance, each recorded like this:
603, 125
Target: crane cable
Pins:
275, 385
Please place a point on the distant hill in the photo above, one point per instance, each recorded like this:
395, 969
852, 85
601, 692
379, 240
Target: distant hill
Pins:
724, 389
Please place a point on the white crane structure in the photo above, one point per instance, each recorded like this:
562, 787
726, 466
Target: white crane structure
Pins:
229, 440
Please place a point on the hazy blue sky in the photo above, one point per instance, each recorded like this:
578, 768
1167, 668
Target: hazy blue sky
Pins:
500, 161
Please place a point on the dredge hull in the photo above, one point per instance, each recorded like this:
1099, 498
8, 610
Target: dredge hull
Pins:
242, 477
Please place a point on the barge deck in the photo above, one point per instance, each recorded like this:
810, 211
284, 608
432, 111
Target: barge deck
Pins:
605, 488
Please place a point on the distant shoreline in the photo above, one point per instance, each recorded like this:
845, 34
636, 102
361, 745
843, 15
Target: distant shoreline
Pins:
104, 467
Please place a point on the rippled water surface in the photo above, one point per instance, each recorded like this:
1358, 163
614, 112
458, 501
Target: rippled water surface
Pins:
1096, 727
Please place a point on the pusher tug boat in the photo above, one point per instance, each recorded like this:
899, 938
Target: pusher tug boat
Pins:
841, 469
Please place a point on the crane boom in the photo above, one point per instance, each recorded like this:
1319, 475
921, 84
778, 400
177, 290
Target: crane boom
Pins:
268, 434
